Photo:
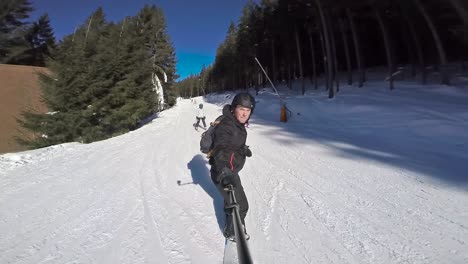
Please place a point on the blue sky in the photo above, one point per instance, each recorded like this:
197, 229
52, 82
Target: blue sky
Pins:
196, 27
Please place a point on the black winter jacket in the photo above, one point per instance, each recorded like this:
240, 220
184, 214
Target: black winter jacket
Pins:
229, 145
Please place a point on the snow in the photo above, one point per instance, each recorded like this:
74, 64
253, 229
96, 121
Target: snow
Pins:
371, 176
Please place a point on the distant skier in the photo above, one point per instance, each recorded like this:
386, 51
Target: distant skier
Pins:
229, 154
200, 116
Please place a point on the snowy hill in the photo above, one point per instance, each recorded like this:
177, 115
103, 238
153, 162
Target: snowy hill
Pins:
372, 176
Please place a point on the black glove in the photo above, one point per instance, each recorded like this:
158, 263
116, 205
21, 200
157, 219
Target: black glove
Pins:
226, 178
247, 151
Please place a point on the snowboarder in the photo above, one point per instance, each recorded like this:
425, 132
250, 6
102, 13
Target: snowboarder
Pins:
229, 154
200, 116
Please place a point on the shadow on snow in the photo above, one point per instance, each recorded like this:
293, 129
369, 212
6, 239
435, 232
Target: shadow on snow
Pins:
201, 176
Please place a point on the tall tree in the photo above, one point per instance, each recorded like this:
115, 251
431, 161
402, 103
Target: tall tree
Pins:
13, 29
440, 49
313, 56
415, 40
357, 46
276, 32
103, 79
328, 48
41, 39
462, 10
343, 30
387, 45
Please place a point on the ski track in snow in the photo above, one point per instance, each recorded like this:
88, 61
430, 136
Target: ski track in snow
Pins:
117, 201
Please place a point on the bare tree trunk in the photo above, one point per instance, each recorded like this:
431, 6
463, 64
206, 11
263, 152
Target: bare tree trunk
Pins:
314, 64
334, 57
443, 59
233, 81
417, 43
357, 48
294, 73
387, 46
74, 32
299, 59
289, 73
346, 49
328, 48
462, 12
325, 62
87, 30
273, 57
121, 30
238, 77
406, 38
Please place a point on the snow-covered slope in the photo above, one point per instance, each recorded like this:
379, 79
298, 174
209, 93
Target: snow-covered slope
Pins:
371, 176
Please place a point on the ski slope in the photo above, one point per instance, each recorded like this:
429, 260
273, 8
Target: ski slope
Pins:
371, 176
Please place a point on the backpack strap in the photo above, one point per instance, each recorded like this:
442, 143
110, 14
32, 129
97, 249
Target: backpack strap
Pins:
208, 155
217, 120
214, 124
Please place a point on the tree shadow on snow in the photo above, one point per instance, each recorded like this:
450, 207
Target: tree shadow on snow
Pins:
201, 176
147, 120
403, 145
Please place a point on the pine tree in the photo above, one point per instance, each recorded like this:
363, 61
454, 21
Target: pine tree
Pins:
64, 92
102, 81
41, 41
156, 39
13, 29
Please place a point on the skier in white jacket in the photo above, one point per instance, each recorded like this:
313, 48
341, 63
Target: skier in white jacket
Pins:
200, 116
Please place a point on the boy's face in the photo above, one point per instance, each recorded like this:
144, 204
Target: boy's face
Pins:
242, 113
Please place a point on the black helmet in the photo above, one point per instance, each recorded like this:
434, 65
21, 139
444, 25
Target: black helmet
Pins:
243, 99
200, 105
